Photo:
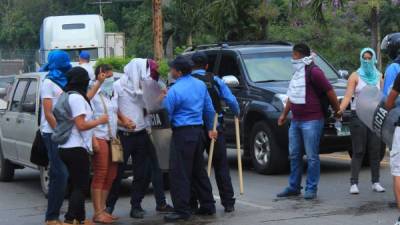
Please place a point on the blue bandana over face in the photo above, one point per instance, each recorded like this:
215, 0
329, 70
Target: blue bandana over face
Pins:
368, 71
58, 64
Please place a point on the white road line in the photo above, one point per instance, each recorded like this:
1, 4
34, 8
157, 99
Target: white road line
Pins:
249, 204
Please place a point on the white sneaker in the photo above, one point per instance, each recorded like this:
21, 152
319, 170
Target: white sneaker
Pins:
397, 223
354, 189
378, 188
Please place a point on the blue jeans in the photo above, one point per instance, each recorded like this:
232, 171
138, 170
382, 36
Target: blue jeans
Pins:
304, 137
58, 175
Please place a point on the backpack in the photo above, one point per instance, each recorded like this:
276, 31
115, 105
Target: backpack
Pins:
62, 112
212, 88
323, 98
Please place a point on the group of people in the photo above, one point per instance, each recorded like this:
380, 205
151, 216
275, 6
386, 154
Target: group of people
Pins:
83, 110
310, 94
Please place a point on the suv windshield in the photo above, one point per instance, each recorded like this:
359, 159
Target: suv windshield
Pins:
264, 67
74, 53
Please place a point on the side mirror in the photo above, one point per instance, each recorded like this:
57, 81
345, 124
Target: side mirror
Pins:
344, 74
231, 81
28, 107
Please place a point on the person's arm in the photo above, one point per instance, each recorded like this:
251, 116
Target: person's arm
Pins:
125, 121
48, 112
351, 86
209, 114
283, 117
391, 99
83, 125
169, 103
228, 97
96, 86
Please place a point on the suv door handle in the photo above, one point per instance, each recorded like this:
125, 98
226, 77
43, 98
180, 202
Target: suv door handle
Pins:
20, 121
8, 119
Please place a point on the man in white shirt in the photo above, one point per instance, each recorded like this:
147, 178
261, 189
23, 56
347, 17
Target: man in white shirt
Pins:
84, 62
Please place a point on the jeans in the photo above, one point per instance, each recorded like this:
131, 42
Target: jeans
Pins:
304, 137
145, 169
78, 165
187, 171
58, 175
364, 140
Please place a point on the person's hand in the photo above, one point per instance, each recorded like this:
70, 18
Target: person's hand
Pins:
213, 134
162, 95
103, 119
129, 124
282, 120
339, 114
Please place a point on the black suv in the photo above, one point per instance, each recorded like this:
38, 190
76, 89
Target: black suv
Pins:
263, 72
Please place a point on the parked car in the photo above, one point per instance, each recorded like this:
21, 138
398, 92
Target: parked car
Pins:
18, 126
258, 75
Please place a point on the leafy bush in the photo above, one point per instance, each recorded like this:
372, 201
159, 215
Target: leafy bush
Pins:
163, 68
117, 63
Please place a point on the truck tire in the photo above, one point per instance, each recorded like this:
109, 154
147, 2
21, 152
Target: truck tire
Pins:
266, 156
6, 169
44, 180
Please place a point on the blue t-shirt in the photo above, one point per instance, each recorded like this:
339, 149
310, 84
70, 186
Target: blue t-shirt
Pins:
390, 76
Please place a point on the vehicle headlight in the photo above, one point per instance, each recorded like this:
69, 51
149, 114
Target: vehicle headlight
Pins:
280, 101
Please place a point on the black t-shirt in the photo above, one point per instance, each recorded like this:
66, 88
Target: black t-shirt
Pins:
396, 84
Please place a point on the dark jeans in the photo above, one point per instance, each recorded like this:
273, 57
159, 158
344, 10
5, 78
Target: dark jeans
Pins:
58, 179
304, 137
364, 140
78, 165
221, 170
187, 170
145, 168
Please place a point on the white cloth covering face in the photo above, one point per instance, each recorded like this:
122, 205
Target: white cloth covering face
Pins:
135, 71
297, 85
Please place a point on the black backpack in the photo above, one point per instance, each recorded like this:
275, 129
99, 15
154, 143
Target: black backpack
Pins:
213, 89
323, 98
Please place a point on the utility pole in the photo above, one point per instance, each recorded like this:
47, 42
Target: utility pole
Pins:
158, 30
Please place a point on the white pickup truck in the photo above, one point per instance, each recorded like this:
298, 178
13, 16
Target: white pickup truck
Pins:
18, 125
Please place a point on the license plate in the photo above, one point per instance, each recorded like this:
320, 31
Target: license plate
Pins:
344, 131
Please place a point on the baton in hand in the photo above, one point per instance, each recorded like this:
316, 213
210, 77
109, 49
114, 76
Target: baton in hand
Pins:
239, 156
211, 152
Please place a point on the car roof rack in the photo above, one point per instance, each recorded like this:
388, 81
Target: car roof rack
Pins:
236, 43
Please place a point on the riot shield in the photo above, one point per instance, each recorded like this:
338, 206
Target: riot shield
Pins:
371, 111
161, 132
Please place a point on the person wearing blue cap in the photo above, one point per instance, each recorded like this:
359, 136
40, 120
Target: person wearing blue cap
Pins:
219, 92
84, 62
187, 103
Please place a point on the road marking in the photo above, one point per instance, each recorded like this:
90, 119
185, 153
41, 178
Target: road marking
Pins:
245, 203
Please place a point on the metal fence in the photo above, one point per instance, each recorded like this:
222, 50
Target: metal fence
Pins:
18, 61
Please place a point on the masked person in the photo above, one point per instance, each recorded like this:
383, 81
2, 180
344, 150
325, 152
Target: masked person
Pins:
391, 46
219, 92
75, 151
104, 170
363, 139
135, 140
304, 101
84, 62
186, 102
51, 89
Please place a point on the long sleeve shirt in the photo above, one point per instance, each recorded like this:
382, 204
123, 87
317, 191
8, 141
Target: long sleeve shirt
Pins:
187, 101
224, 92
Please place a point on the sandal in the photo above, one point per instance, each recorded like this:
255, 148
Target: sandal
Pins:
102, 218
111, 216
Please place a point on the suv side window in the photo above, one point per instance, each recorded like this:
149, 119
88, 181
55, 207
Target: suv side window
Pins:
30, 97
18, 94
212, 58
229, 66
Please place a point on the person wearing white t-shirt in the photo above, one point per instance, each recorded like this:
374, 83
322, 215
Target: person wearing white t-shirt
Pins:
84, 62
75, 151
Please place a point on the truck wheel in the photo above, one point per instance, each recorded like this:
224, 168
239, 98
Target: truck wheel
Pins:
6, 169
44, 180
266, 156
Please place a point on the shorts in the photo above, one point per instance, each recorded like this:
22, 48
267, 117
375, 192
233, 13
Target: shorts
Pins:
395, 154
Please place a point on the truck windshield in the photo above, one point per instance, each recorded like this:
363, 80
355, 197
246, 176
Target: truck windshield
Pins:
266, 67
74, 53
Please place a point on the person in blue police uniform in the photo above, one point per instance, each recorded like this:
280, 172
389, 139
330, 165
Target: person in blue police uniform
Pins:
187, 103
220, 159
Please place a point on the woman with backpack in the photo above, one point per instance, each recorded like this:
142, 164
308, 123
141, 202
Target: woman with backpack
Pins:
363, 139
76, 150
104, 169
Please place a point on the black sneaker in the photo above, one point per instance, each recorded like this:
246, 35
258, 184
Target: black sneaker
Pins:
137, 213
288, 193
229, 208
166, 208
174, 217
205, 212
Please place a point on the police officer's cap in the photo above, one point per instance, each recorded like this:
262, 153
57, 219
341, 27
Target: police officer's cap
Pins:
200, 58
182, 64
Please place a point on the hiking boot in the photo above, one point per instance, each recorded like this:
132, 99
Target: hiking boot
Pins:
288, 193
166, 208
137, 213
310, 195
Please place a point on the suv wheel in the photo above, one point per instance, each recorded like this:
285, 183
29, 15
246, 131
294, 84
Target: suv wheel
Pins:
6, 169
44, 179
265, 154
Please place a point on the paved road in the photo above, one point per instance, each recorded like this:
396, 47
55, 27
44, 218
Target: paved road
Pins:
22, 203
